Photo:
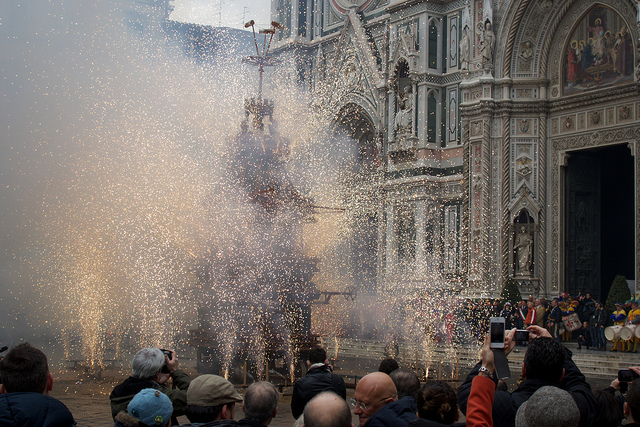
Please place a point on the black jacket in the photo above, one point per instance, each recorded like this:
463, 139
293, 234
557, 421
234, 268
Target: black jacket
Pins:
33, 410
555, 315
394, 414
123, 393
316, 381
421, 422
505, 404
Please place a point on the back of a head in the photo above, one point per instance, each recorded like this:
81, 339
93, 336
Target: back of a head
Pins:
388, 365
548, 406
544, 360
317, 355
608, 411
260, 400
437, 402
406, 381
146, 363
24, 369
327, 409
633, 399
151, 407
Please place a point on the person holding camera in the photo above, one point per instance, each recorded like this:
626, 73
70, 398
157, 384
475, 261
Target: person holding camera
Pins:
546, 362
152, 368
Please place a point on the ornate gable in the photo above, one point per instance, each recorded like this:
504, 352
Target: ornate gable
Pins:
404, 47
354, 74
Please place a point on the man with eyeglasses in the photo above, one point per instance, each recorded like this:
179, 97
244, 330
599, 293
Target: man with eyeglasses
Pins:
376, 402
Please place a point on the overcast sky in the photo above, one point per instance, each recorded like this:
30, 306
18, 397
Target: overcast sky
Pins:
226, 13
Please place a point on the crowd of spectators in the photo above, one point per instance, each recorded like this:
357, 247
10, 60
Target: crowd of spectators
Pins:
551, 389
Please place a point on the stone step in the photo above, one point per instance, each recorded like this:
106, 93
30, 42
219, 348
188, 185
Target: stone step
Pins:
362, 356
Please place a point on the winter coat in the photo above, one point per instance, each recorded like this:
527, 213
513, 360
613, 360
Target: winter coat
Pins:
394, 414
123, 393
480, 402
505, 404
316, 381
33, 410
221, 423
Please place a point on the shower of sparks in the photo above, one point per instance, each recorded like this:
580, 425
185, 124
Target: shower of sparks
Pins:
140, 227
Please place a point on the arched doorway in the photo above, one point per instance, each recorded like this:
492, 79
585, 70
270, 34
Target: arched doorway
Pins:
599, 218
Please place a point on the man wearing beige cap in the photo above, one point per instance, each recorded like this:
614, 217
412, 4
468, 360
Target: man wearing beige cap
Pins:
210, 402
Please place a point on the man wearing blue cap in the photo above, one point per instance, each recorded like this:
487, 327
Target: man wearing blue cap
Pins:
149, 408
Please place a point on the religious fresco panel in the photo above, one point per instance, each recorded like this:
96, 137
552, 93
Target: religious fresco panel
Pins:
598, 53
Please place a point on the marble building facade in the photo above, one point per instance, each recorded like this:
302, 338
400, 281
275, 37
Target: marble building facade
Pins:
506, 134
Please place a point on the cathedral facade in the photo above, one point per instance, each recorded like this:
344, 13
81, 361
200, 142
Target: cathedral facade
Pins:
506, 133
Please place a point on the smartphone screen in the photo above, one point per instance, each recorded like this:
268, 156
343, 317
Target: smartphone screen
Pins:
497, 332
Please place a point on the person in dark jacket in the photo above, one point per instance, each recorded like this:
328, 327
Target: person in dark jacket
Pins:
260, 404
147, 372
150, 407
319, 378
373, 392
211, 401
437, 405
546, 362
24, 392
555, 318
599, 318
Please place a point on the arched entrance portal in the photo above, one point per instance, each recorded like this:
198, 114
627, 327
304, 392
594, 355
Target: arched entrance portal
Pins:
356, 123
600, 229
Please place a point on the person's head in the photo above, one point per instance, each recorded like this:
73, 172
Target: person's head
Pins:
151, 407
598, 305
388, 365
536, 302
261, 402
327, 409
406, 381
632, 405
544, 360
211, 398
146, 363
372, 392
317, 355
437, 402
554, 302
549, 405
608, 411
507, 305
530, 304
619, 306
25, 369
588, 295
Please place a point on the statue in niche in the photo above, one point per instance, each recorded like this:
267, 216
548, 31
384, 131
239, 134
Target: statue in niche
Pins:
527, 51
524, 252
487, 43
465, 49
403, 120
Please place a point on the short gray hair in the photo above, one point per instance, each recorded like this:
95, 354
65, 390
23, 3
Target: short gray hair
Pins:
260, 400
147, 362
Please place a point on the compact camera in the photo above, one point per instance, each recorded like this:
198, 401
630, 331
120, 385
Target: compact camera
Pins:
167, 353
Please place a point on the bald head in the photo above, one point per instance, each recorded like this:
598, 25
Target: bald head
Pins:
327, 409
372, 392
